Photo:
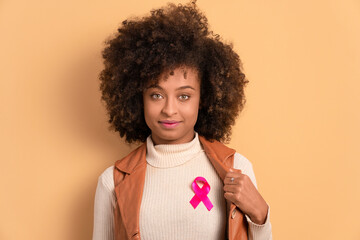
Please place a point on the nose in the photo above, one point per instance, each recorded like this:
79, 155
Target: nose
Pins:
169, 107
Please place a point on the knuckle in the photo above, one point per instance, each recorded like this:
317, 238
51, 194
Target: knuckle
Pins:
241, 182
238, 197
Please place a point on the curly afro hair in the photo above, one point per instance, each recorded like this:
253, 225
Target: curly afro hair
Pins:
172, 36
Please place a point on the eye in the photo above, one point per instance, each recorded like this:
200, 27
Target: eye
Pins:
155, 96
184, 97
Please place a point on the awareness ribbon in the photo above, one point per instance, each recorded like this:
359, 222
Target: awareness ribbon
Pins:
201, 194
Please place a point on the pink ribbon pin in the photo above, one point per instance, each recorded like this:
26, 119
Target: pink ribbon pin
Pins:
201, 193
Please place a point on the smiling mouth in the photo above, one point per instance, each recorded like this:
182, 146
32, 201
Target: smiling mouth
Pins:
169, 124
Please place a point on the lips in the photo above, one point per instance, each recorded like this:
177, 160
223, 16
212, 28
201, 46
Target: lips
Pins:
169, 123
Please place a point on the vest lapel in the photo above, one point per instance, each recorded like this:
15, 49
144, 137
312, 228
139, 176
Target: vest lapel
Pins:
222, 158
219, 156
130, 189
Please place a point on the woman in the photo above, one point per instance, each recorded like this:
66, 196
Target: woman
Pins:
173, 85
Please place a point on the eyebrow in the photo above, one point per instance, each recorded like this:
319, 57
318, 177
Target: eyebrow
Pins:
179, 88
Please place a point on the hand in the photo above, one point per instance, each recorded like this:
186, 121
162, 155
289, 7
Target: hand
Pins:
245, 196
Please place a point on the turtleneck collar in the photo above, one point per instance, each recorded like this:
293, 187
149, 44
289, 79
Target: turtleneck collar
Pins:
172, 155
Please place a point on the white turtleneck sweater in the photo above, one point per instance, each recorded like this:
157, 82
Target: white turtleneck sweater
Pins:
165, 211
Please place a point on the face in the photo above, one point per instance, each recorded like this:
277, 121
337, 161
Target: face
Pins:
171, 106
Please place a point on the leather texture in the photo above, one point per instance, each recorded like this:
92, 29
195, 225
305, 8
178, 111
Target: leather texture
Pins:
129, 178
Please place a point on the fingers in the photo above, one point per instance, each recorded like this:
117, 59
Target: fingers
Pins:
231, 188
236, 183
233, 178
231, 197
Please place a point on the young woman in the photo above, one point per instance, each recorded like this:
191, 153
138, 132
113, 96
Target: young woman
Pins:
173, 85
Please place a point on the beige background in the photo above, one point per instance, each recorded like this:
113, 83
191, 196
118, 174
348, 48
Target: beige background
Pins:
300, 127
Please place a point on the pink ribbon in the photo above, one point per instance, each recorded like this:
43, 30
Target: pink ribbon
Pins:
201, 193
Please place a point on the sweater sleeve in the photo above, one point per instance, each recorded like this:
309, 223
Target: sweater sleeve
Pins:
104, 207
255, 231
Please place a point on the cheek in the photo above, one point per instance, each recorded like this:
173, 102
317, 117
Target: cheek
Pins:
193, 110
150, 112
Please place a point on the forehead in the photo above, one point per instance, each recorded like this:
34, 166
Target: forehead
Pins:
177, 76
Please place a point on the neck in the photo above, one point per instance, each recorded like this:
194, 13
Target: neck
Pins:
185, 139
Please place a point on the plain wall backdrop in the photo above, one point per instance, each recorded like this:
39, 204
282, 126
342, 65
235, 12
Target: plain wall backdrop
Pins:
300, 126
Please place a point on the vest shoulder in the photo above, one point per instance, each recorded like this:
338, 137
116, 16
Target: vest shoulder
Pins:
133, 152
216, 148
134, 159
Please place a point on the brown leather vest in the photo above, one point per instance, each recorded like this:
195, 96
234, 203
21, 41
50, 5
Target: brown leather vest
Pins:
129, 178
